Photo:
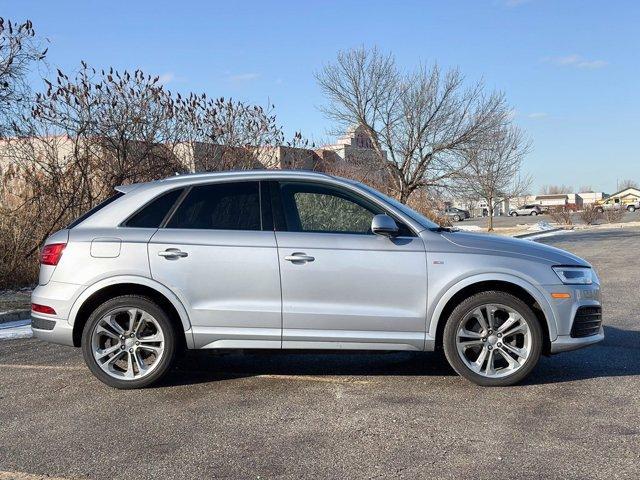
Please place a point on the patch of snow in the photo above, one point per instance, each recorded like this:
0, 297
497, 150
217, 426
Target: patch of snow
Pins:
547, 234
17, 329
469, 228
541, 226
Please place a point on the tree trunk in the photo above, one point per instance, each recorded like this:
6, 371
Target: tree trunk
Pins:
490, 228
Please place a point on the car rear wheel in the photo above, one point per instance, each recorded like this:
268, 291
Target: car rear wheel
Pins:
456, 218
128, 342
533, 213
514, 214
493, 339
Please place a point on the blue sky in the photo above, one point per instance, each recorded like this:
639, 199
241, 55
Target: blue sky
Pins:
570, 68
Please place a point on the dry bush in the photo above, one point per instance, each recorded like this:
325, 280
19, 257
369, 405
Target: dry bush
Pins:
613, 215
426, 203
590, 214
561, 215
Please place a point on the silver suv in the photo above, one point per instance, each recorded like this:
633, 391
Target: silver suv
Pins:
295, 260
526, 210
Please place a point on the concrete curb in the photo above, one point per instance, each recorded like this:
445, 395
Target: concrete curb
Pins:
532, 234
14, 316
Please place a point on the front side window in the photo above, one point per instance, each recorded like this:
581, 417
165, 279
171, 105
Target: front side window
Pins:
318, 208
320, 212
220, 206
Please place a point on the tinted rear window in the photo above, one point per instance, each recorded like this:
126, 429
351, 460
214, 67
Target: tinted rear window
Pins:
100, 206
222, 206
153, 213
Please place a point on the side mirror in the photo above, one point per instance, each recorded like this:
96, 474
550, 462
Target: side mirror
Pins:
384, 225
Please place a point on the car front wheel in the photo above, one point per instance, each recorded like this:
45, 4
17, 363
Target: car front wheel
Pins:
514, 214
128, 342
534, 213
493, 339
631, 208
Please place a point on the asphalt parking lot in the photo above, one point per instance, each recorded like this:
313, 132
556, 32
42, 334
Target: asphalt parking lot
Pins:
328, 415
507, 221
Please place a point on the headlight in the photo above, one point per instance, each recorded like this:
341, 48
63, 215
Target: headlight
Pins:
575, 275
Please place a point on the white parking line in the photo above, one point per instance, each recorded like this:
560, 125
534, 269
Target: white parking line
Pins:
298, 378
27, 476
308, 378
41, 367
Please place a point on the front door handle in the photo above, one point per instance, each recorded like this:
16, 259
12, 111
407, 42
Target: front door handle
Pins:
173, 254
299, 257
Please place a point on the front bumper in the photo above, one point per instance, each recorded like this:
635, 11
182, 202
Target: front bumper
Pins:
565, 311
565, 343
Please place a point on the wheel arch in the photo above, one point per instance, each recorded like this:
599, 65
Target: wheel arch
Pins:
101, 291
482, 283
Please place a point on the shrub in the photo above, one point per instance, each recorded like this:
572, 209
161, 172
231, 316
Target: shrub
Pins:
613, 215
590, 214
561, 215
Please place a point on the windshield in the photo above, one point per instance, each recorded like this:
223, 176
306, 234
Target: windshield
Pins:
421, 219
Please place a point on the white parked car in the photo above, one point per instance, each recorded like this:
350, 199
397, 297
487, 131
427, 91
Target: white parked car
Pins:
526, 210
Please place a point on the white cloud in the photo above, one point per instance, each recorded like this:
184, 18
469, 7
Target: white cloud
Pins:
243, 77
166, 78
538, 115
576, 61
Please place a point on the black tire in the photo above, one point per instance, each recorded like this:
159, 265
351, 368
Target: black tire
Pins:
456, 218
631, 208
483, 298
514, 214
170, 340
533, 213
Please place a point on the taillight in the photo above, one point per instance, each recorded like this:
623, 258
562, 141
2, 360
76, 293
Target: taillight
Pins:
51, 253
42, 309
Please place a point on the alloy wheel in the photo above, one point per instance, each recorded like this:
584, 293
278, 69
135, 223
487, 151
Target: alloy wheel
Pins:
127, 343
494, 340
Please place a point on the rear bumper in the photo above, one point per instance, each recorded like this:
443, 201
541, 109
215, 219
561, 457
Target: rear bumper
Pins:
565, 343
61, 333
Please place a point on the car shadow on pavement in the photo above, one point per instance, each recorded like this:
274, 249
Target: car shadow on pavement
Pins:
203, 366
617, 355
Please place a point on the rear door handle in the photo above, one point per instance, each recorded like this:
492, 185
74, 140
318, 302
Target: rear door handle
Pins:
173, 253
299, 257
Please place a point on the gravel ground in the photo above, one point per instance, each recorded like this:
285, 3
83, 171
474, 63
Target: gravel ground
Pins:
294, 415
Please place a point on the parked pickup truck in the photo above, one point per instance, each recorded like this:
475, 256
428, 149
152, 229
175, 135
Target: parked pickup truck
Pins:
630, 205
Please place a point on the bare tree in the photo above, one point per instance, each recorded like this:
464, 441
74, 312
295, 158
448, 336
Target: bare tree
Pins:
87, 132
19, 52
586, 189
419, 123
555, 189
493, 173
121, 126
627, 183
228, 134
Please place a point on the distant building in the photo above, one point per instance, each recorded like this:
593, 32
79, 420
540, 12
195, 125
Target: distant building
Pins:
591, 197
627, 195
572, 201
353, 148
